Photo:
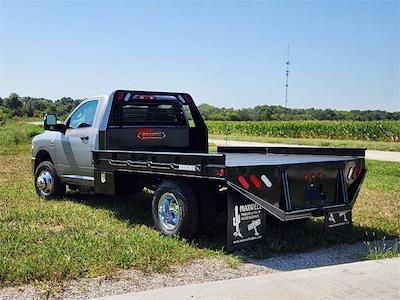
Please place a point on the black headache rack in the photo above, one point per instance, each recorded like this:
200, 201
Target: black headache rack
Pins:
154, 121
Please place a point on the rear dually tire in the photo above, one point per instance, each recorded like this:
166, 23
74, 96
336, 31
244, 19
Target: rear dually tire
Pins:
175, 209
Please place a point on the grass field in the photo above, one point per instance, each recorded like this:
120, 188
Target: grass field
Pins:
385, 131
83, 236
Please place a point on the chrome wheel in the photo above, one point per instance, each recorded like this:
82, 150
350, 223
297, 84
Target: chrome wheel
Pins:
169, 212
44, 182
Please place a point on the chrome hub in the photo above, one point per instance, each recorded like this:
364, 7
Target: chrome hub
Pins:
169, 212
44, 182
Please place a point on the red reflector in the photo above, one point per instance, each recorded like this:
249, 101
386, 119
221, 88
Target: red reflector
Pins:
306, 176
313, 176
144, 97
120, 96
187, 98
254, 180
321, 175
221, 172
356, 172
243, 182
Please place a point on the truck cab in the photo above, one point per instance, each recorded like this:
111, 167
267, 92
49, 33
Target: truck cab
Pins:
69, 145
123, 120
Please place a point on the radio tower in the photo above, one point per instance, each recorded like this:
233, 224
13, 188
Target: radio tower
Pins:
287, 76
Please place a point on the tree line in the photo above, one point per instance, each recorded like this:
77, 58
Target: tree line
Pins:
16, 106
280, 113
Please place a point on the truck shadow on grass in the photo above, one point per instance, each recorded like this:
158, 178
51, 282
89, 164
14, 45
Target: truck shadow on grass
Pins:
134, 208
280, 238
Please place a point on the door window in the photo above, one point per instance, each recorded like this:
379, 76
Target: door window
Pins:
84, 115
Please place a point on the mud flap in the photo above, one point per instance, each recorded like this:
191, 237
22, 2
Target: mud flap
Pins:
246, 221
337, 219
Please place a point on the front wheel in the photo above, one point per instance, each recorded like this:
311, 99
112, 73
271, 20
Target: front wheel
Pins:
175, 209
47, 183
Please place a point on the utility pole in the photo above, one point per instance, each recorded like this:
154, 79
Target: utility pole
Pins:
287, 77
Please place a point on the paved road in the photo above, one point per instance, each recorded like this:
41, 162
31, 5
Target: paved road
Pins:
370, 154
377, 279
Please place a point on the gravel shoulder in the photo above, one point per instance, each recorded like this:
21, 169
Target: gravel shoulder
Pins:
199, 271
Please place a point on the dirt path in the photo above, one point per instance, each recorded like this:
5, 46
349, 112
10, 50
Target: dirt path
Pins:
370, 154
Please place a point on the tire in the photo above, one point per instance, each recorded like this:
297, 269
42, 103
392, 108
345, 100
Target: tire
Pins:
207, 209
47, 183
175, 209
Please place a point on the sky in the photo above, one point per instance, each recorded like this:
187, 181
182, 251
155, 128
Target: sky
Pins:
343, 54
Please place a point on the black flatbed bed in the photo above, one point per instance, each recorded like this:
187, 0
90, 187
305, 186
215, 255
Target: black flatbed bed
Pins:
206, 164
255, 156
241, 159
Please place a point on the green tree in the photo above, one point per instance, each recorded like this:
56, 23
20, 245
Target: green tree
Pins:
13, 104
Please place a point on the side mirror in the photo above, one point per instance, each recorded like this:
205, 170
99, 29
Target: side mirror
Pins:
50, 123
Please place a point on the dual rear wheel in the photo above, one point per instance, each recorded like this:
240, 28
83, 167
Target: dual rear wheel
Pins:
179, 209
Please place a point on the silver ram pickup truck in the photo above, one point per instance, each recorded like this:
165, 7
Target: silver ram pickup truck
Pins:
63, 154
120, 143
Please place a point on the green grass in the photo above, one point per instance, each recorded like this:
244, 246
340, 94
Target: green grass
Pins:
85, 236
16, 135
380, 250
372, 145
79, 235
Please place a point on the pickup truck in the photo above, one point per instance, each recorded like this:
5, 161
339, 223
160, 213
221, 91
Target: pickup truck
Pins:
128, 140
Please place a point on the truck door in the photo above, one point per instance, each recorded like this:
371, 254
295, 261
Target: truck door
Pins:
74, 150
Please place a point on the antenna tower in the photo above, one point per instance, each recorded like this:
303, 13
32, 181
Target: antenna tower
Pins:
287, 77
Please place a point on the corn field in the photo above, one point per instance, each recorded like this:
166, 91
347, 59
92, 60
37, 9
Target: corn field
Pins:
388, 131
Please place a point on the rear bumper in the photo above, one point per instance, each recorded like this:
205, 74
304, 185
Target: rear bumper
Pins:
283, 210
247, 212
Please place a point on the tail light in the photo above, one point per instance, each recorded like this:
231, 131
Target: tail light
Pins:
266, 181
144, 97
120, 96
254, 180
221, 172
187, 98
243, 182
354, 172
314, 176
127, 97
350, 173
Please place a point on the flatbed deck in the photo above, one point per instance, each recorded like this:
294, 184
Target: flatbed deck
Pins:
255, 159
273, 156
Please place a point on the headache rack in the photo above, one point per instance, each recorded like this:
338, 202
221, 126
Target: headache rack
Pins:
154, 121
